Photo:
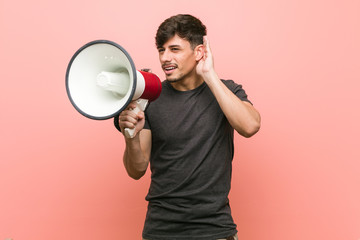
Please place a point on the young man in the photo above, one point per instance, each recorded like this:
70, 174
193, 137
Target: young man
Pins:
187, 137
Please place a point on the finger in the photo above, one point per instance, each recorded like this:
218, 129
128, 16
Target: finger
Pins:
124, 125
127, 123
206, 42
133, 118
205, 39
130, 111
207, 45
131, 105
140, 115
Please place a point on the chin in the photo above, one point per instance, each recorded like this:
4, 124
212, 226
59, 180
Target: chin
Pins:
173, 79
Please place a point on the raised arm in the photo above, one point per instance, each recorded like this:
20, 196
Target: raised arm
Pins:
242, 116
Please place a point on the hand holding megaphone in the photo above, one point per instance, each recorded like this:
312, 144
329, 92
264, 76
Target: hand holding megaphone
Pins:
137, 106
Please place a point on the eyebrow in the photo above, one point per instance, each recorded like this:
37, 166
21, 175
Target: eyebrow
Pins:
175, 45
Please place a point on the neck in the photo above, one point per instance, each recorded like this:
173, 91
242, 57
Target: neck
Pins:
188, 83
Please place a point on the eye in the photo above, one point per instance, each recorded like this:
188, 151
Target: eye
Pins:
175, 49
160, 50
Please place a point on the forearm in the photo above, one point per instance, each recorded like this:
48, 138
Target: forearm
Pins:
241, 115
135, 161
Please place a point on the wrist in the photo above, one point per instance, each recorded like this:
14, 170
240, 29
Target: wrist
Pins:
132, 141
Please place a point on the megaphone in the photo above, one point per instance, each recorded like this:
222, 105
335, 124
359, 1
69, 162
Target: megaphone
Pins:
101, 81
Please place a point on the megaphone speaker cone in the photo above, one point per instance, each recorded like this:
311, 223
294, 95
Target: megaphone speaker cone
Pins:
101, 80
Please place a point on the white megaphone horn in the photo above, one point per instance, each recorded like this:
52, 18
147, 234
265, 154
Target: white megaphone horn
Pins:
101, 81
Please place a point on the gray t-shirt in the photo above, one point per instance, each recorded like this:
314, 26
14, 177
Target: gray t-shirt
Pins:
191, 165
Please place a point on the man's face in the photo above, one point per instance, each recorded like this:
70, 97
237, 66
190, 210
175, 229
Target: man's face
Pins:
177, 58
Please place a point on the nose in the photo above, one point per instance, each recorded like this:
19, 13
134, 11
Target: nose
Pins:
165, 56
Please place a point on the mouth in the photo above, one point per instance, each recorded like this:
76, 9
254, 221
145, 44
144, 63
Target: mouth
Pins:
169, 68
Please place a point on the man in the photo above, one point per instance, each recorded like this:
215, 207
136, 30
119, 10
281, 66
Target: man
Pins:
187, 137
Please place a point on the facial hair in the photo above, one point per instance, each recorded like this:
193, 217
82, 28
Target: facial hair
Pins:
172, 80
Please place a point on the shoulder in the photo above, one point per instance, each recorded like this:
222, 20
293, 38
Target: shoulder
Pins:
237, 89
231, 84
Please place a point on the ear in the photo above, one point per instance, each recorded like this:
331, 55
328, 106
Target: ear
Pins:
199, 52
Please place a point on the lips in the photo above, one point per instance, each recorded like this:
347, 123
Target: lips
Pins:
169, 68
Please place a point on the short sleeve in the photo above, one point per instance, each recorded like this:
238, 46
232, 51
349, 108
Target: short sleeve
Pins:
237, 89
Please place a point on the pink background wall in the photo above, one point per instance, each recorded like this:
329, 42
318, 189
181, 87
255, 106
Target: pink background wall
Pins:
61, 175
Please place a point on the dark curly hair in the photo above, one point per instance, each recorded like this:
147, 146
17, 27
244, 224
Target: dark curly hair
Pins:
185, 26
